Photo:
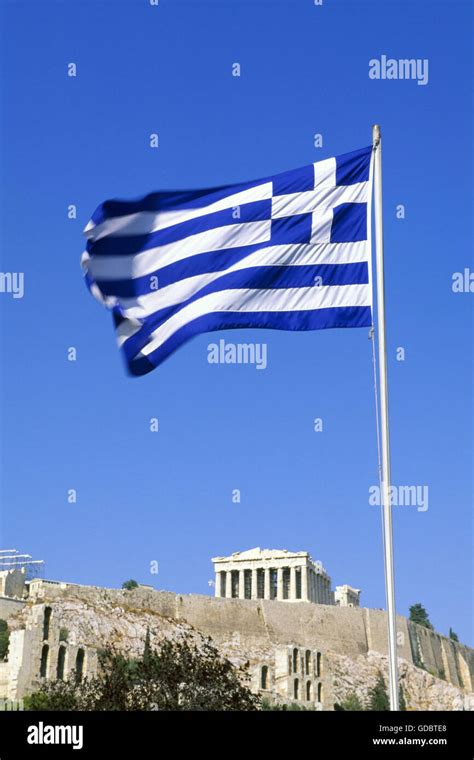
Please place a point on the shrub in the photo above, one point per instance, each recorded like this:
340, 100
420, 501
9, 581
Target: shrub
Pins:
4, 639
179, 675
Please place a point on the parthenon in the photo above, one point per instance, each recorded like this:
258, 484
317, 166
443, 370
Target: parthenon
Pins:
272, 574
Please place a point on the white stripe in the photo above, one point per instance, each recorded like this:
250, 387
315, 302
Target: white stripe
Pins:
325, 172
321, 226
318, 200
142, 306
107, 301
146, 262
126, 329
145, 222
291, 299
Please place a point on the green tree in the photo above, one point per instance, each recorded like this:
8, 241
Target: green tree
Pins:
129, 585
267, 706
453, 636
378, 697
179, 675
402, 705
351, 703
4, 639
419, 615
58, 695
147, 650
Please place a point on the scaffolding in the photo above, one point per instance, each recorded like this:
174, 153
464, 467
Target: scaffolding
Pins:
11, 559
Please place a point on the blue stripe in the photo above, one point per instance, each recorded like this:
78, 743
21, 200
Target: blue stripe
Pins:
320, 319
89, 280
202, 263
258, 278
117, 317
354, 167
128, 245
169, 200
291, 229
141, 286
349, 223
294, 181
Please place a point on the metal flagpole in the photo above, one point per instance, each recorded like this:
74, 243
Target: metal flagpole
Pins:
385, 495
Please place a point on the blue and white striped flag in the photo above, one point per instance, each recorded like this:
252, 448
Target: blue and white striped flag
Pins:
289, 252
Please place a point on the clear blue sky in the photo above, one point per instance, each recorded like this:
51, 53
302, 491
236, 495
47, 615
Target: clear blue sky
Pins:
85, 424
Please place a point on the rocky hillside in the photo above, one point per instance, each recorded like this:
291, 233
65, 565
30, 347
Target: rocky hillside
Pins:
422, 691
98, 619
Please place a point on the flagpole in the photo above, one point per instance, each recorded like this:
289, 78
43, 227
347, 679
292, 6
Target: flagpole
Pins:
384, 428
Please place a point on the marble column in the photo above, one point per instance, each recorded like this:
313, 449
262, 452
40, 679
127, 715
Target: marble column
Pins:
292, 582
280, 583
241, 585
228, 584
304, 582
254, 584
217, 585
266, 593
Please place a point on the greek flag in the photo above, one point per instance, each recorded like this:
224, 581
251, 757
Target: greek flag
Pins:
289, 252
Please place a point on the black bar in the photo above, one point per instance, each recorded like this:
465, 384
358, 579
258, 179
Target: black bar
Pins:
374, 734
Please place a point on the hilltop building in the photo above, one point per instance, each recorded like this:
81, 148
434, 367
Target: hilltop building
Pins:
273, 574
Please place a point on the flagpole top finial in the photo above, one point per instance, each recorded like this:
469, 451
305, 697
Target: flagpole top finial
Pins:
376, 135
